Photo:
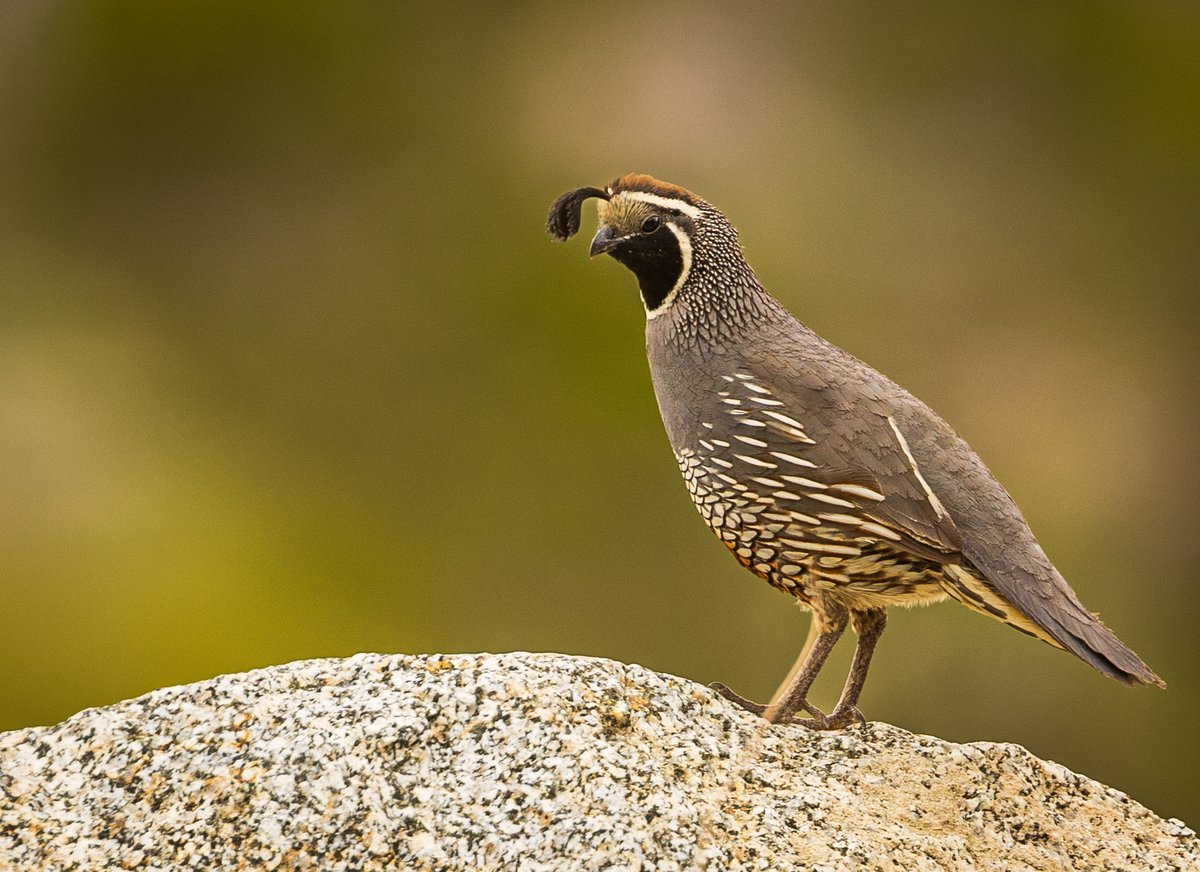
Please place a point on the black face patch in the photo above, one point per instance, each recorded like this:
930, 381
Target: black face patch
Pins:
656, 260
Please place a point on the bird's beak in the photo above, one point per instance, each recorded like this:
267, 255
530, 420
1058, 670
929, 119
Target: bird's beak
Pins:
604, 240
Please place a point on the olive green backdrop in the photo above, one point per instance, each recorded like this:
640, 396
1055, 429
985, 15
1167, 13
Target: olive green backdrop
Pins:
289, 368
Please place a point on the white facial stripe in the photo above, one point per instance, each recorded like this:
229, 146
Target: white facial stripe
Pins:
685, 254
662, 202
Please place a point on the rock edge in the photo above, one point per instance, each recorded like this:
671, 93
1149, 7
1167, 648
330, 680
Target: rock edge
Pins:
536, 761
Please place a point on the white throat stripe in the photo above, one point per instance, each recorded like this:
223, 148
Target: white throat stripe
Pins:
663, 202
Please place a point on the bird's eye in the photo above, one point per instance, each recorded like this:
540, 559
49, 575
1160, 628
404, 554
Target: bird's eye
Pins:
651, 224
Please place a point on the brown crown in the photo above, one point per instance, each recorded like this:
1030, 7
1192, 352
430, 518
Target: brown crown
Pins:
650, 185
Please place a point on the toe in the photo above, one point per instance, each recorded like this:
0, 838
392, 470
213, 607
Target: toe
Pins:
844, 717
748, 705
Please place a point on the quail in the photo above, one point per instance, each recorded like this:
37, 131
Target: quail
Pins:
822, 476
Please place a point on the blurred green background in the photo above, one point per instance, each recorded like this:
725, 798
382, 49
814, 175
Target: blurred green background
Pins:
289, 368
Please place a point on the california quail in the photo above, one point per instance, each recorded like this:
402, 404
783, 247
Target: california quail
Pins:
821, 475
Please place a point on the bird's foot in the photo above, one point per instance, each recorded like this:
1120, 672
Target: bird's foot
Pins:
840, 718
760, 709
753, 707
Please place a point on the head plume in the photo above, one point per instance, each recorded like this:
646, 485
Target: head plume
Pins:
563, 221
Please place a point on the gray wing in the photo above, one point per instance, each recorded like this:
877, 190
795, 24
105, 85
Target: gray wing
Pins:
999, 545
856, 425
844, 450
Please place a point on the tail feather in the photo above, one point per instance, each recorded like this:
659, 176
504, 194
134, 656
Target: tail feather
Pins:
1050, 611
1094, 643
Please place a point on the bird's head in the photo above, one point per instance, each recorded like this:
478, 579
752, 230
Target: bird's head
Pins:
650, 226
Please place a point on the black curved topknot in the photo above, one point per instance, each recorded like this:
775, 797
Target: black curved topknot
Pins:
563, 221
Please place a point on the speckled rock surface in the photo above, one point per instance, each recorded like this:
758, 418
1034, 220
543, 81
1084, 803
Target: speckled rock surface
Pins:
532, 761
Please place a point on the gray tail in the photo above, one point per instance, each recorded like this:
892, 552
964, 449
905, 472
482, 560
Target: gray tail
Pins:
1082, 633
1048, 609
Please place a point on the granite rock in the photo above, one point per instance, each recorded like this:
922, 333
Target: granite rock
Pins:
533, 761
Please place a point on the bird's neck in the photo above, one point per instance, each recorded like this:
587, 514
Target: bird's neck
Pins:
714, 310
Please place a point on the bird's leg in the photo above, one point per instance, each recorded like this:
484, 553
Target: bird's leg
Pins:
814, 630
829, 622
868, 625
757, 707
